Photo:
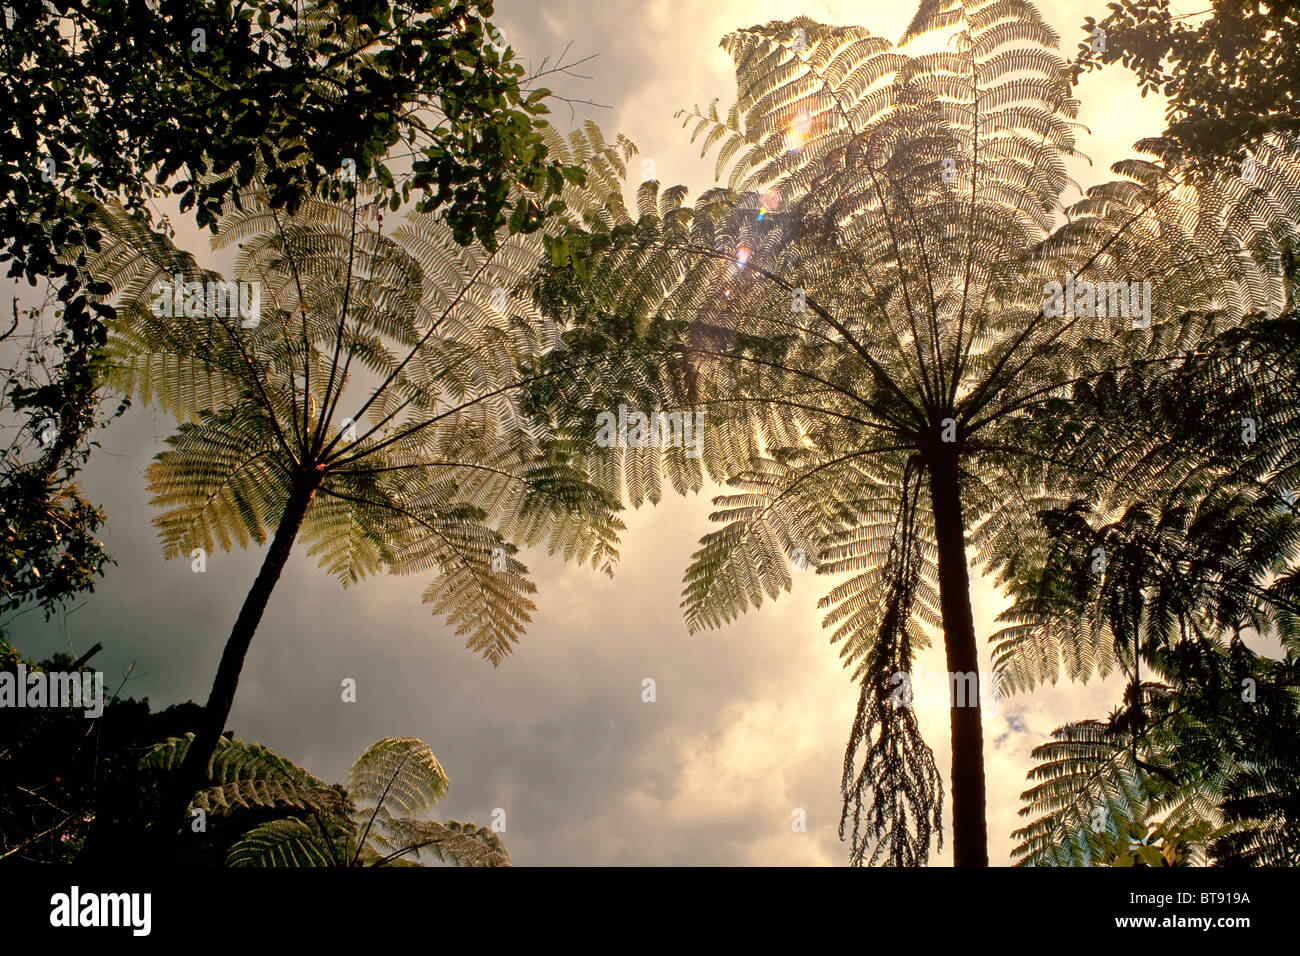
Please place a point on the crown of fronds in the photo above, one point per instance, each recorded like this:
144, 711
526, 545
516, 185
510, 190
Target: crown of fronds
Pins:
384, 370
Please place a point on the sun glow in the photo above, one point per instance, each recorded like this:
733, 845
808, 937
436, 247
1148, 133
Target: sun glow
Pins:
799, 131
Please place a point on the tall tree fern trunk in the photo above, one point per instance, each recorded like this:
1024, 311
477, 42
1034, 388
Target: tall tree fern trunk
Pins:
193, 771
970, 830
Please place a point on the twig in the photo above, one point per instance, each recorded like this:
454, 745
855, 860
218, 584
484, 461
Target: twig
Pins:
54, 829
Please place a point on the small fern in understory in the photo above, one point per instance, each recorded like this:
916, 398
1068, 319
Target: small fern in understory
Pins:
376, 821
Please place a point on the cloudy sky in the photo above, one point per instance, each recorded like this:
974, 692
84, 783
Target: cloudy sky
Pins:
750, 721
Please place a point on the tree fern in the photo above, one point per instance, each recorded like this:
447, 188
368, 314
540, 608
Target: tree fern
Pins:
861, 314
370, 411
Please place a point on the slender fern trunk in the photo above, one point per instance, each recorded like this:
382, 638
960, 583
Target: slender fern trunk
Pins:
970, 829
193, 770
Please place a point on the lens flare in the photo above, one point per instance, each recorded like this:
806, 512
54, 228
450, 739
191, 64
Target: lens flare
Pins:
800, 130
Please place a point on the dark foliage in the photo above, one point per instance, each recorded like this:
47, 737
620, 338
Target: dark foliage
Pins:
1231, 78
71, 788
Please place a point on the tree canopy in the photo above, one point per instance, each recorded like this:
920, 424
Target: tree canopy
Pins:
1229, 72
